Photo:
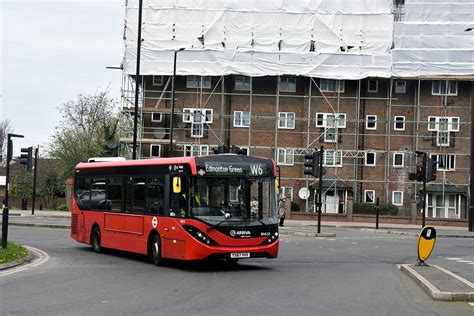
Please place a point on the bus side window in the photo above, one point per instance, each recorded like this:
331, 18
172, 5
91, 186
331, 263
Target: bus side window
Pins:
114, 194
155, 196
135, 195
83, 192
97, 194
179, 202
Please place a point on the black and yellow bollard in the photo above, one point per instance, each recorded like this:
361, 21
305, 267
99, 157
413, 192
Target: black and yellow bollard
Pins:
426, 242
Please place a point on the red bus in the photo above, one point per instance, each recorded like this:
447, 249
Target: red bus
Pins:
187, 208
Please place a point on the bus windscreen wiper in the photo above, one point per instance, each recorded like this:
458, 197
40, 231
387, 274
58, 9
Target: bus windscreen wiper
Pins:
214, 226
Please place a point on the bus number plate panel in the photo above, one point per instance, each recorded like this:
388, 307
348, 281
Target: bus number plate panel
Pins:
240, 255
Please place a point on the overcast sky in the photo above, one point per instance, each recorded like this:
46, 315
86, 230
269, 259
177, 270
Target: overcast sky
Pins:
50, 52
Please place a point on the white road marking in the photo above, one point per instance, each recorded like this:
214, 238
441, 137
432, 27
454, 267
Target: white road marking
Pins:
41, 257
456, 259
472, 304
354, 243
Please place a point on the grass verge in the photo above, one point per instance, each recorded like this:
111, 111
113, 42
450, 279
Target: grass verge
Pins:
12, 252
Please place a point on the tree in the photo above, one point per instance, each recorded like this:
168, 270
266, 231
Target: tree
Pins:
87, 124
5, 128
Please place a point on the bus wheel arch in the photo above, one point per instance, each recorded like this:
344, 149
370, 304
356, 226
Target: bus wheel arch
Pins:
95, 239
155, 248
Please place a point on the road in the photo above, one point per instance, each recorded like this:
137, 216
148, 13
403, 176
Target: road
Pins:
353, 274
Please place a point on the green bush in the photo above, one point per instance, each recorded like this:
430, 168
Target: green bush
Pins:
62, 208
369, 208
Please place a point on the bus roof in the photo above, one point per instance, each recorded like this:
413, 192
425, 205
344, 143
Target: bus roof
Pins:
143, 162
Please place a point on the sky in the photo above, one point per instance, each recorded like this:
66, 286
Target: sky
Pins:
51, 51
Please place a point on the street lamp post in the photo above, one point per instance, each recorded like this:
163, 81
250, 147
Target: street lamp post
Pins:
172, 101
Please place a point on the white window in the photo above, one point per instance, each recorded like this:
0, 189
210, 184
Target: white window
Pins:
331, 85
373, 85
443, 126
157, 80
330, 135
287, 192
191, 115
197, 128
331, 120
442, 136
369, 196
195, 150
155, 150
285, 156
370, 158
400, 86
397, 198
446, 206
371, 122
241, 118
156, 117
398, 159
288, 84
244, 151
242, 83
446, 162
198, 81
439, 87
286, 120
332, 158
399, 123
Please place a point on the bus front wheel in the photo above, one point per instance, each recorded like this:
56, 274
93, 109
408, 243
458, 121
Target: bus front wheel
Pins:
96, 243
154, 251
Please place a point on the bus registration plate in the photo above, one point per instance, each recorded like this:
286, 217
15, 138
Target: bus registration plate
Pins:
240, 255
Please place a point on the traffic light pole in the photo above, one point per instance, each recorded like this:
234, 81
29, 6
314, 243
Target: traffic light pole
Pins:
34, 181
7, 187
320, 188
423, 215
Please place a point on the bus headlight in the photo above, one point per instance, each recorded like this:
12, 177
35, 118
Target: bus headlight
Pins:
199, 235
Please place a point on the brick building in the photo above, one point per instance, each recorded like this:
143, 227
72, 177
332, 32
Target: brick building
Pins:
370, 109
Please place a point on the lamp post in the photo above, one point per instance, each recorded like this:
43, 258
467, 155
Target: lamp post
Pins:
137, 76
172, 101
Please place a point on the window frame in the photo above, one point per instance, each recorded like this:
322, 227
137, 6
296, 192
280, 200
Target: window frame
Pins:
401, 91
156, 121
374, 122
242, 80
440, 90
335, 154
191, 148
373, 196
283, 194
336, 115
287, 152
157, 83
394, 160
151, 150
448, 160
395, 123
285, 84
286, 114
375, 159
401, 198
207, 115
241, 123
376, 85
325, 85
205, 82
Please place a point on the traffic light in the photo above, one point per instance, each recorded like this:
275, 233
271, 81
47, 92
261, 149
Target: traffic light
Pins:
26, 158
420, 173
311, 164
431, 170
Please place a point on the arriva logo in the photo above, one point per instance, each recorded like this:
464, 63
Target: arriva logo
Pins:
256, 169
241, 233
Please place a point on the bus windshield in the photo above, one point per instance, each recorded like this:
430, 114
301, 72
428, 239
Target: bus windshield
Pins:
234, 201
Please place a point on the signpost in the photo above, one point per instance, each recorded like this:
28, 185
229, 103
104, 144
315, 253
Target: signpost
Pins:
426, 242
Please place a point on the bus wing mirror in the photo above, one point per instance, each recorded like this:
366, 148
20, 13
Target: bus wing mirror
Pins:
176, 185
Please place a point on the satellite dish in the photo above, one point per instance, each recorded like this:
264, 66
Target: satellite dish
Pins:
159, 133
304, 193
112, 144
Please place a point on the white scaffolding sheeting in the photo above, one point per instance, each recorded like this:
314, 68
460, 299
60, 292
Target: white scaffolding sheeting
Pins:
432, 39
340, 39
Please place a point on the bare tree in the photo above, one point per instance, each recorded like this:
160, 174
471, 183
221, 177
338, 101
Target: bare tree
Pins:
5, 128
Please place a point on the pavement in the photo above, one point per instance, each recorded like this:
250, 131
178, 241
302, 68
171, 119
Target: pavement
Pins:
439, 283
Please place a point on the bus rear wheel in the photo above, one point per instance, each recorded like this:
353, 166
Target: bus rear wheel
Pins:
154, 250
96, 242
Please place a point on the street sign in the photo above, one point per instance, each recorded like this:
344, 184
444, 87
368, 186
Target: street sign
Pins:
426, 242
304, 193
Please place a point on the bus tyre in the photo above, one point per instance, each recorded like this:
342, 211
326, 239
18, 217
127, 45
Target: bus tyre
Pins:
96, 241
154, 251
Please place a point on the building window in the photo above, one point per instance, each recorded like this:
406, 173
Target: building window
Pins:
191, 115
287, 84
241, 119
370, 158
398, 159
400, 86
286, 192
443, 126
331, 120
242, 83
446, 206
331, 85
286, 120
156, 117
439, 87
371, 122
330, 135
285, 156
332, 158
198, 82
446, 162
399, 123
155, 150
397, 198
372, 85
157, 80
195, 150
369, 196
244, 151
